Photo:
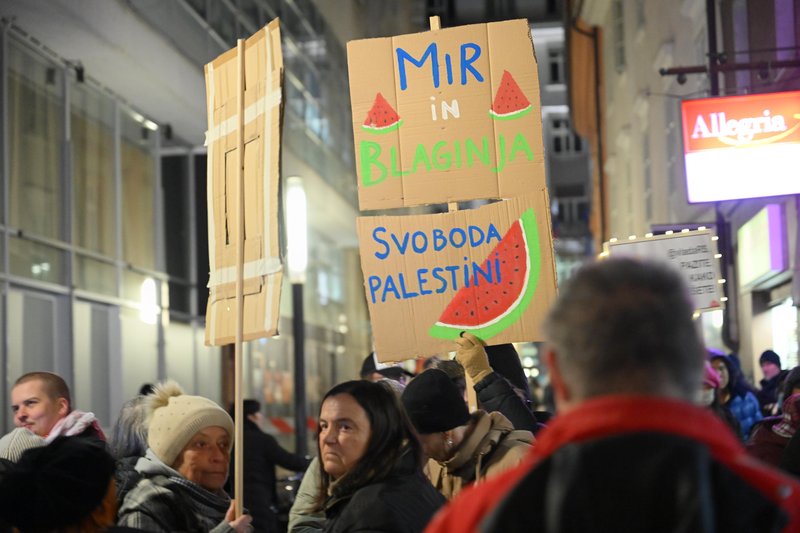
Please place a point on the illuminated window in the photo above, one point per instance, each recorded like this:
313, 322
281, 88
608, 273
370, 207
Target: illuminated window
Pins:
784, 332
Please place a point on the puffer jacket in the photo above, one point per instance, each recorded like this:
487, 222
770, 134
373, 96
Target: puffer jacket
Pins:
126, 477
403, 502
495, 394
491, 446
746, 410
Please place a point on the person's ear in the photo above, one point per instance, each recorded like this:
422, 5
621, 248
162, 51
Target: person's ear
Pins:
561, 390
448, 439
63, 407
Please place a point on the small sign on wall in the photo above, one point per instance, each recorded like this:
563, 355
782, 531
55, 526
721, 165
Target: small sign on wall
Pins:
694, 253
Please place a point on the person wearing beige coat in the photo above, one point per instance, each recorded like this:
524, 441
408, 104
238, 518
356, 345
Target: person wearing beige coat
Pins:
463, 448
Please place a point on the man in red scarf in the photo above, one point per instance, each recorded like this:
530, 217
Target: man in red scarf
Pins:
628, 450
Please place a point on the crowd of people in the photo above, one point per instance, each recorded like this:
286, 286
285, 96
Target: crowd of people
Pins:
652, 432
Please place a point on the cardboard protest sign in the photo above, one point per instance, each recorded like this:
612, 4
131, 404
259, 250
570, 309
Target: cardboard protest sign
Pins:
694, 253
262, 120
446, 115
489, 271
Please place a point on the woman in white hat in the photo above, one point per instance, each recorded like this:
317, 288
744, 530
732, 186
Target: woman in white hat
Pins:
184, 469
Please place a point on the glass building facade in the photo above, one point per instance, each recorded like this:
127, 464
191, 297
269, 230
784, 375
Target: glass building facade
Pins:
103, 226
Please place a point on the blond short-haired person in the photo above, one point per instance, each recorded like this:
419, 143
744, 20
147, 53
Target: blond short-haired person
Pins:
42, 404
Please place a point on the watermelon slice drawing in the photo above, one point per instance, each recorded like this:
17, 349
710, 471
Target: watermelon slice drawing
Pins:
509, 102
487, 309
382, 118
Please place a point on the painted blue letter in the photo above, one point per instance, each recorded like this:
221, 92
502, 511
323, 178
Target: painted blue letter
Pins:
431, 52
466, 62
385, 253
374, 284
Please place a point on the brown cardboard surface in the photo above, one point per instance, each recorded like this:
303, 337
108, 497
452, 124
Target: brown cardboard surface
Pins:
693, 253
407, 249
435, 156
262, 120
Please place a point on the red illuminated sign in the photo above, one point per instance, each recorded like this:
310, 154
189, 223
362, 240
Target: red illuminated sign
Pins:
742, 146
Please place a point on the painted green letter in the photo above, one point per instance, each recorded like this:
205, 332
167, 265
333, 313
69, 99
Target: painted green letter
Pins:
441, 161
520, 143
368, 153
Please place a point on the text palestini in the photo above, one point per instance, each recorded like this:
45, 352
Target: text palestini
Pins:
437, 279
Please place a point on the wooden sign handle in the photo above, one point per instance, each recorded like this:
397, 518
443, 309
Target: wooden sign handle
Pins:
238, 439
472, 398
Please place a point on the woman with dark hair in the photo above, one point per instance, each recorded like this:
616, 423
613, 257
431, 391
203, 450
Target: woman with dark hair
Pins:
371, 463
709, 398
735, 394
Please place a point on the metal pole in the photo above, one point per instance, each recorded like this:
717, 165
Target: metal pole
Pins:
723, 232
299, 335
711, 22
5, 179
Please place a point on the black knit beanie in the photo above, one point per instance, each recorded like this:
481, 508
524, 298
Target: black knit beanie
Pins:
249, 407
55, 486
433, 403
768, 356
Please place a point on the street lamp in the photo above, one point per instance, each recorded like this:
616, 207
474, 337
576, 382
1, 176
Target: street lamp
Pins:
297, 258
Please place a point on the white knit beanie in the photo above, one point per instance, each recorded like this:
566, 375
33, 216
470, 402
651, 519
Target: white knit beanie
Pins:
175, 417
15, 443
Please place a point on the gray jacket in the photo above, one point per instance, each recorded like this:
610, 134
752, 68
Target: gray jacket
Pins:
164, 500
302, 517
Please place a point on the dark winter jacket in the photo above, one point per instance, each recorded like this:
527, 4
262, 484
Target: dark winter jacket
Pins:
768, 395
611, 465
790, 458
404, 502
495, 394
765, 443
126, 477
261, 453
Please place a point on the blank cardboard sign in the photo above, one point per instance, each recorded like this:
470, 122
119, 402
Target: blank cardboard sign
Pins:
446, 115
489, 271
262, 119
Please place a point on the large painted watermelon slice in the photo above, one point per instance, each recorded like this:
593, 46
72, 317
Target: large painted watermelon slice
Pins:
486, 309
509, 102
382, 118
